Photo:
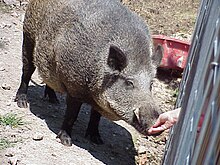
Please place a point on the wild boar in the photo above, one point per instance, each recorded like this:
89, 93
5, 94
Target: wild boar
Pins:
97, 52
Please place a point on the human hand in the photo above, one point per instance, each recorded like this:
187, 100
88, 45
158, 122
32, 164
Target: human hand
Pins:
165, 121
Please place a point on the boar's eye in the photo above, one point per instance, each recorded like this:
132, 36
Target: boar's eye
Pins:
129, 84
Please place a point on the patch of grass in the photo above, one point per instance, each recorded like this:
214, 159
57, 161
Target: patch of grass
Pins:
5, 8
4, 143
2, 45
176, 92
11, 120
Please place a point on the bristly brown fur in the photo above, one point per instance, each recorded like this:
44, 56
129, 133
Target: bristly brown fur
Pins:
97, 51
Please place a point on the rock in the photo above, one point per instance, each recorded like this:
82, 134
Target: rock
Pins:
38, 137
8, 103
143, 159
13, 161
54, 155
9, 154
2, 68
7, 127
6, 86
142, 150
6, 25
24, 3
14, 14
12, 2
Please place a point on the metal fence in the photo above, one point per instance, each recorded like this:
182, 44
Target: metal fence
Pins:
195, 140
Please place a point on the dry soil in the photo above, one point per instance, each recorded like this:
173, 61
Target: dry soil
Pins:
35, 143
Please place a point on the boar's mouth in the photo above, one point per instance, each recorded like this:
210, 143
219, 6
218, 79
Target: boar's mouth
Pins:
137, 124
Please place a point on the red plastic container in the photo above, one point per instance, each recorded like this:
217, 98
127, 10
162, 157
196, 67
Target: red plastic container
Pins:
175, 52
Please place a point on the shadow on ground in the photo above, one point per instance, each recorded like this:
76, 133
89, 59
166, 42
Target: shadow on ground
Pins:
118, 147
169, 76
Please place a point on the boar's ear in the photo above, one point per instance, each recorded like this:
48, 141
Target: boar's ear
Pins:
157, 55
117, 60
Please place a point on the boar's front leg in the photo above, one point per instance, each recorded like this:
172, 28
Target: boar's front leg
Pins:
72, 111
92, 130
27, 70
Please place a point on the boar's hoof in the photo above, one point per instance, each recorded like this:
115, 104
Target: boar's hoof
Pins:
95, 138
65, 138
21, 100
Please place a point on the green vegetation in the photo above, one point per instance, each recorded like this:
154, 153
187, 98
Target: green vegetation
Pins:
4, 143
11, 120
176, 92
2, 45
4, 8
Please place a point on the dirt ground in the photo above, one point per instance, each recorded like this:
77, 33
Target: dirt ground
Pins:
35, 143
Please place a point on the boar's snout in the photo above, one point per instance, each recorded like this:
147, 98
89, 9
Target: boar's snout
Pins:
144, 117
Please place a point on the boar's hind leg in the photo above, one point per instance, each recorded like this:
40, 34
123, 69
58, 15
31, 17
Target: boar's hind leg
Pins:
27, 70
50, 93
92, 130
72, 111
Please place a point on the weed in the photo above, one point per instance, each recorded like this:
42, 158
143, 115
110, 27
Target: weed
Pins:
4, 143
5, 8
2, 45
176, 92
11, 120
